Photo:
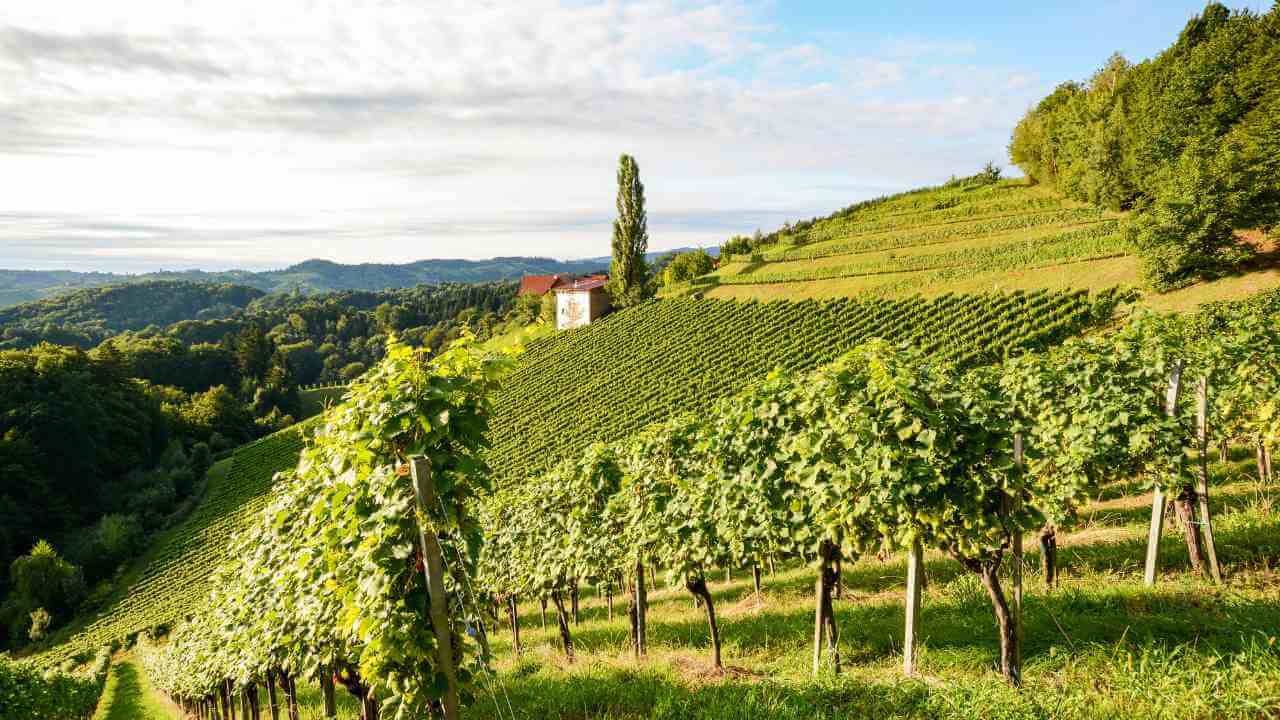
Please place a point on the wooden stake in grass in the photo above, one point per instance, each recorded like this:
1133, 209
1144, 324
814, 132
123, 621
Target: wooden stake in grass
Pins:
1158, 496
642, 607
824, 621
1015, 570
1202, 488
433, 564
272, 706
755, 579
513, 615
915, 574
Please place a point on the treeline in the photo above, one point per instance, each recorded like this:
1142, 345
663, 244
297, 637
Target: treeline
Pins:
1190, 140
311, 276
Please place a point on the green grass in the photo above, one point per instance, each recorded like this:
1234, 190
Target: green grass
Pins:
128, 695
315, 400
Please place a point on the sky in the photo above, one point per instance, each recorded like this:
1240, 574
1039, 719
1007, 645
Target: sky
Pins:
219, 134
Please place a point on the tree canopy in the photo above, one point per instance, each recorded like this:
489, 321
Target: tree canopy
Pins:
1189, 139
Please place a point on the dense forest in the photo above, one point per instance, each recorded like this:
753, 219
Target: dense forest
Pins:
95, 459
1190, 140
109, 419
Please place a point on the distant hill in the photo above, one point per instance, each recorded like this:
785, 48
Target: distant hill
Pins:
99, 312
20, 286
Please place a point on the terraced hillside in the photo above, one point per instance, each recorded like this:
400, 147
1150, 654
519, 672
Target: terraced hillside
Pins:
960, 238
174, 575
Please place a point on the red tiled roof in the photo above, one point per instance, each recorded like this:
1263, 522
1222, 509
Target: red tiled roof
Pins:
537, 284
591, 282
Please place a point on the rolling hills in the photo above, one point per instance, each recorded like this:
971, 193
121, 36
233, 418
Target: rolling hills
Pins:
20, 286
634, 368
909, 255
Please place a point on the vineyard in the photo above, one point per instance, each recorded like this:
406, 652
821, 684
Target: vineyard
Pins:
1100, 240
174, 577
723, 346
884, 450
614, 377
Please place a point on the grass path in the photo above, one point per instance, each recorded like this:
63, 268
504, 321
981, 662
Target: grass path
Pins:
129, 695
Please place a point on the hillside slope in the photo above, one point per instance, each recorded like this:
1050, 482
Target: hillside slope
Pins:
667, 357
603, 382
963, 237
174, 575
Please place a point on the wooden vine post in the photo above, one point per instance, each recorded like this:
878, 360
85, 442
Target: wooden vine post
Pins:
1015, 570
1158, 496
915, 577
433, 563
824, 621
1202, 482
641, 601
513, 615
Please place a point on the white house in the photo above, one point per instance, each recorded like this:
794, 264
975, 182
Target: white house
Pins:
580, 301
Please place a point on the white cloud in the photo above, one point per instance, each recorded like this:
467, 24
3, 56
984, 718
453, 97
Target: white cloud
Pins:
255, 134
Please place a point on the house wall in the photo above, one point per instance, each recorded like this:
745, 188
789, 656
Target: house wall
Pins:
573, 309
576, 308
599, 303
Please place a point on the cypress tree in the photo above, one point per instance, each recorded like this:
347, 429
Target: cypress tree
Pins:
628, 273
